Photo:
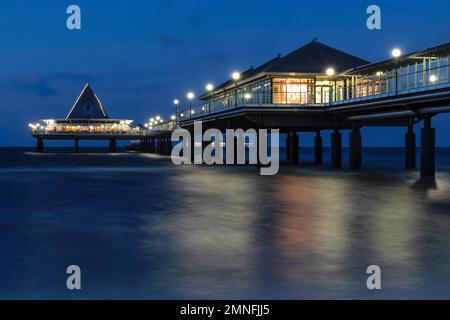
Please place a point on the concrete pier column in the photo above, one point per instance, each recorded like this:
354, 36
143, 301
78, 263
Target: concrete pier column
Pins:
410, 148
163, 145
152, 148
169, 145
259, 146
336, 149
77, 145
159, 146
427, 149
192, 143
355, 152
318, 148
288, 145
145, 145
112, 145
293, 148
40, 144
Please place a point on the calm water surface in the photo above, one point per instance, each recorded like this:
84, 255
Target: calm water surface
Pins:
142, 228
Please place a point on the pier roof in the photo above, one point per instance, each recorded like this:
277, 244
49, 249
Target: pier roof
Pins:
87, 106
312, 58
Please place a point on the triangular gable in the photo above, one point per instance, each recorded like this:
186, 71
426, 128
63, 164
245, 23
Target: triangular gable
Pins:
87, 106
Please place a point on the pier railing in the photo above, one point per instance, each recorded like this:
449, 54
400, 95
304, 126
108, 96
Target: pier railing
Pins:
162, 127
87, 132
390, 83
395, 82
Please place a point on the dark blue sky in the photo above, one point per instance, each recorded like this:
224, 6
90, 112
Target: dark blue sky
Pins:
140, 55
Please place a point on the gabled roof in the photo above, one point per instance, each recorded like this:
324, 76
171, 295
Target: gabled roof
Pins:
314, 58
87, 106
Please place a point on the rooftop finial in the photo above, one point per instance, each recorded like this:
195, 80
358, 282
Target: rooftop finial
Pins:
315, 39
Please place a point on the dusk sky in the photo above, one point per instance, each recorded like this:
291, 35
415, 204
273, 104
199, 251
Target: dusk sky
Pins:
140, 55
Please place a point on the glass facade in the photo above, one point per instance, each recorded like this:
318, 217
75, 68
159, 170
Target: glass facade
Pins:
414, 75
277, 90
259, 92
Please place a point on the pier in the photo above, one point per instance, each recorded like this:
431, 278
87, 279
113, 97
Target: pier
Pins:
318, 88
315, 88
87, 120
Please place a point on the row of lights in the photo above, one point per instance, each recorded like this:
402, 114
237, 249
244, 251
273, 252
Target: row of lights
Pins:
155, 121
36, 126
209, 87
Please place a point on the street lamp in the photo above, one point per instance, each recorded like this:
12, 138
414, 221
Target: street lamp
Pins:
396, 53
330, 72
209, 88
236, 76
190, 95
176, 102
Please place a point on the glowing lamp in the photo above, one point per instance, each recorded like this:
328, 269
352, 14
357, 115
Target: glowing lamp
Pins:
330, 72
396, 52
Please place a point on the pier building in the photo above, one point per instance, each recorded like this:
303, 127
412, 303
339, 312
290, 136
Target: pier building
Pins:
86, 120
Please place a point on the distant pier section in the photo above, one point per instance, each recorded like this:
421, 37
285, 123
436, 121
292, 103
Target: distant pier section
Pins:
87, 120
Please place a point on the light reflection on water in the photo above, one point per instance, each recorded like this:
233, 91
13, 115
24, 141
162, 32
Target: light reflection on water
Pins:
218, 232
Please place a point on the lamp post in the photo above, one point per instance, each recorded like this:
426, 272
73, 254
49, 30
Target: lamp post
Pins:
236, 76
176, 102
190, 96
331, 72
396, 53
209, 88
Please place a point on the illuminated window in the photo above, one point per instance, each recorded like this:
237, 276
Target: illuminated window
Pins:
291, 90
